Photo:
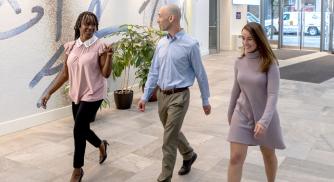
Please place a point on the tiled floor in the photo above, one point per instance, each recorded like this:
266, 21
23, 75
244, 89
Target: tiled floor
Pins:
44, 153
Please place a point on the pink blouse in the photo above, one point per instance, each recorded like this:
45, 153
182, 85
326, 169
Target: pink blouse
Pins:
85, 76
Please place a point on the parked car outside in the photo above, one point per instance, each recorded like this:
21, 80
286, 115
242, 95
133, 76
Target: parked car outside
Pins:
291, 23
268, 28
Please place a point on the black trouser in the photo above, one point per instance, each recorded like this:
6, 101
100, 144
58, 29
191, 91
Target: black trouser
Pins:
83, 114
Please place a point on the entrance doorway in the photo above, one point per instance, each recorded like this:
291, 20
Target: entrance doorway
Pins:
213, 26
299, 24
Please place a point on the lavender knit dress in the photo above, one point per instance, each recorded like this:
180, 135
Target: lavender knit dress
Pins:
253, 99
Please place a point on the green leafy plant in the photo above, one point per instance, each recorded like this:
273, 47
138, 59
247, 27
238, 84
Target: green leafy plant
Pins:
135, 48
151, 37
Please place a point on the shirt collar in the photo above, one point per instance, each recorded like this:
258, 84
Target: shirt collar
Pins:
88, 42
177, 35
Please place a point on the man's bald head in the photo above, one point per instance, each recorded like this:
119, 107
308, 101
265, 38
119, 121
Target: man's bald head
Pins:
169, 17
173, 9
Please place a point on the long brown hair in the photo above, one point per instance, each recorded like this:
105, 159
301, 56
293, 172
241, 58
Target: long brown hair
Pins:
267, 56
87, 16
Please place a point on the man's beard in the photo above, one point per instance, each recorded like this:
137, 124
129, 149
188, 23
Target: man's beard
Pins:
166, 28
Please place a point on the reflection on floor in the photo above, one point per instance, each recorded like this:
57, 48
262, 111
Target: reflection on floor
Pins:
44, 153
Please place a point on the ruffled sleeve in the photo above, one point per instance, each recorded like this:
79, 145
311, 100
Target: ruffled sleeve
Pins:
68, 46
102, 48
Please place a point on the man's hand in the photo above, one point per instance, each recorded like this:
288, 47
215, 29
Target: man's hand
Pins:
259, 130
207, 109
141, 105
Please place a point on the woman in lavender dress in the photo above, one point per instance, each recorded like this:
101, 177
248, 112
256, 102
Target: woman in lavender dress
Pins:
252, 113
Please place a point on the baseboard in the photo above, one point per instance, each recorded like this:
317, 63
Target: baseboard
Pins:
45, 117
226, 47
34, 120
205, 52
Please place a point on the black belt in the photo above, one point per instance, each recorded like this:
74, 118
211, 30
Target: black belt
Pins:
172, 91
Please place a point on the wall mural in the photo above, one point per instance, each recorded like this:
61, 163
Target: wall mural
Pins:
49, 68
15, 31
148, 7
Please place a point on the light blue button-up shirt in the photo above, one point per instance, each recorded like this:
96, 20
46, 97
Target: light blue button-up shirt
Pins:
176, 63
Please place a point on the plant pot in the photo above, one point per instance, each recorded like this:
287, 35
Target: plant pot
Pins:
153, 97
123, 99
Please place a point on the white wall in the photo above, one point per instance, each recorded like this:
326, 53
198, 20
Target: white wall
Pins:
200, 24
27, 47
231, 26
238, 24
225, 24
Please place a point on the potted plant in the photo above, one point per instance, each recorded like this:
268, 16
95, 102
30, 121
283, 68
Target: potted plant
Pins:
150, 38
134, 49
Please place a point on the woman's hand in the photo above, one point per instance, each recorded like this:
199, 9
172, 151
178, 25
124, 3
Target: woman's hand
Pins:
106, 61
109, 50
259, 130
45, 100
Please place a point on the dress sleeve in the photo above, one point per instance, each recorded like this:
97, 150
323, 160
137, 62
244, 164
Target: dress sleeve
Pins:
273, 77
68, 46
234, 95
102, 48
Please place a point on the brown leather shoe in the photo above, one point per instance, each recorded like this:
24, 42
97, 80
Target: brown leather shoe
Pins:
186, 167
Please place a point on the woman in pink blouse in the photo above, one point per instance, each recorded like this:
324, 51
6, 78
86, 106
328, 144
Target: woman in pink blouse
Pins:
252, 112
87, 64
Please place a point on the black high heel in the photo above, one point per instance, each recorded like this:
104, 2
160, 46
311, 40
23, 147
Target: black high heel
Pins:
75, 176
81, 175
103, 158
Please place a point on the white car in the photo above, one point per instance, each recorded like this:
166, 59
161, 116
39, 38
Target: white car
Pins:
291, 24
268, 28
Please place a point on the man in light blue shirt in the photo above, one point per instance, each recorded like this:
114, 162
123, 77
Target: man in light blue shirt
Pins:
176, 63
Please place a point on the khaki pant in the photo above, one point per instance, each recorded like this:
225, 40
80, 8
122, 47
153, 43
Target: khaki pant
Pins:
172, 110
